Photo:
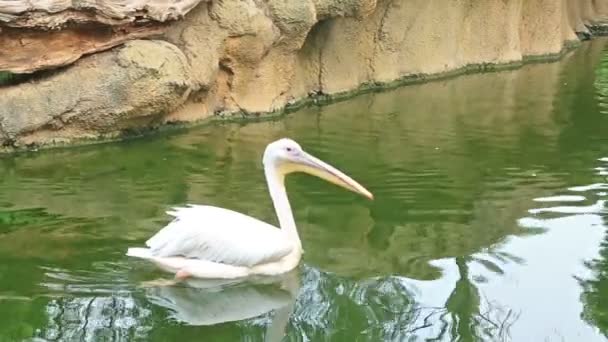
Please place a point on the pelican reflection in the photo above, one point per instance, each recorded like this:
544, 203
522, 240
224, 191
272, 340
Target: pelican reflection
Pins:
197, 301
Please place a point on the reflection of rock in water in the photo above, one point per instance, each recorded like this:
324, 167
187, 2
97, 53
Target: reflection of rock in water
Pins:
601, 85
204, 302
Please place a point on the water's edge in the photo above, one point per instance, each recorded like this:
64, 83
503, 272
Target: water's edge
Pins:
314, 99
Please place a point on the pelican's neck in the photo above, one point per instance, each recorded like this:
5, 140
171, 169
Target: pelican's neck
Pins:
276, 187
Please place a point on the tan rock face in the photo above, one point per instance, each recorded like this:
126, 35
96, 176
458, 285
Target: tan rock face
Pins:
257, 56
27, 52
55, 13
76, 28
104, 94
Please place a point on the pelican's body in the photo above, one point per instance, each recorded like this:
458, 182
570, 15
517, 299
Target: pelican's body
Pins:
212, 242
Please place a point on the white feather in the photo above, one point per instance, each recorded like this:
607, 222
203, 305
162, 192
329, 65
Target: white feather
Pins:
218, 235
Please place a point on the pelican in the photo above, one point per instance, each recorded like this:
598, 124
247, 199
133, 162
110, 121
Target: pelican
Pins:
216, 243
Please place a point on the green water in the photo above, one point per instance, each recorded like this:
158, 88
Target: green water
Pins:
488, 224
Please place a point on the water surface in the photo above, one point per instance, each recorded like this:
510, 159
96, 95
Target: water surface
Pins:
488, 224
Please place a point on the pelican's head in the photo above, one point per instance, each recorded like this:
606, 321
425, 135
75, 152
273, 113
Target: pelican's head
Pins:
286, 156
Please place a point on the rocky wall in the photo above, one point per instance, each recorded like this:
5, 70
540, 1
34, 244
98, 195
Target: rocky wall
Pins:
255, 56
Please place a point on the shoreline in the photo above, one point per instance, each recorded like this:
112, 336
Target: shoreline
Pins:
318, 99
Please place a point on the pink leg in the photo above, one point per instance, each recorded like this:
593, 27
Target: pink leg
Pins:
182, 275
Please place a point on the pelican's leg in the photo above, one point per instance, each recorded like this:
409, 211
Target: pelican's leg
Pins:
182, 274
159, 282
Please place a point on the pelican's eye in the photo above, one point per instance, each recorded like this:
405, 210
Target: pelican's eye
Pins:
289, 149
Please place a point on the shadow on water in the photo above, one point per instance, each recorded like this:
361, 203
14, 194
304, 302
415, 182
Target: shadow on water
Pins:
483, 216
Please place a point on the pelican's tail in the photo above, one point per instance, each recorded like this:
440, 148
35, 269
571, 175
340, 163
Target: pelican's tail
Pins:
140, 252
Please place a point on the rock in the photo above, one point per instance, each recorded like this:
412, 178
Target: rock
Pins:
344, 8
598, 28
28, 51
252, 56
76, 28
129, 87
52, 14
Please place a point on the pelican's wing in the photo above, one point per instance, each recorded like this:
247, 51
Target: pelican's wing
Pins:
219, 235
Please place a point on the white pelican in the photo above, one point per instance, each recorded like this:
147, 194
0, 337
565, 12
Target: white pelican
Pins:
211, 242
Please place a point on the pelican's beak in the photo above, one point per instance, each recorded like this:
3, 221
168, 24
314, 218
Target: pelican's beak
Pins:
316, 167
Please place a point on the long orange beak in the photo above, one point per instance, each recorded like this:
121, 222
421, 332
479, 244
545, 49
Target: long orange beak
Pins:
314, 166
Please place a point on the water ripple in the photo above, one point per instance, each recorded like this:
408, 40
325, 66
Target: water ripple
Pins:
102, 278
596, 208
590, 187
562, 198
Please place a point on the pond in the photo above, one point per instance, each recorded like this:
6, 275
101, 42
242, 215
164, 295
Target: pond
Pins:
489, 221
